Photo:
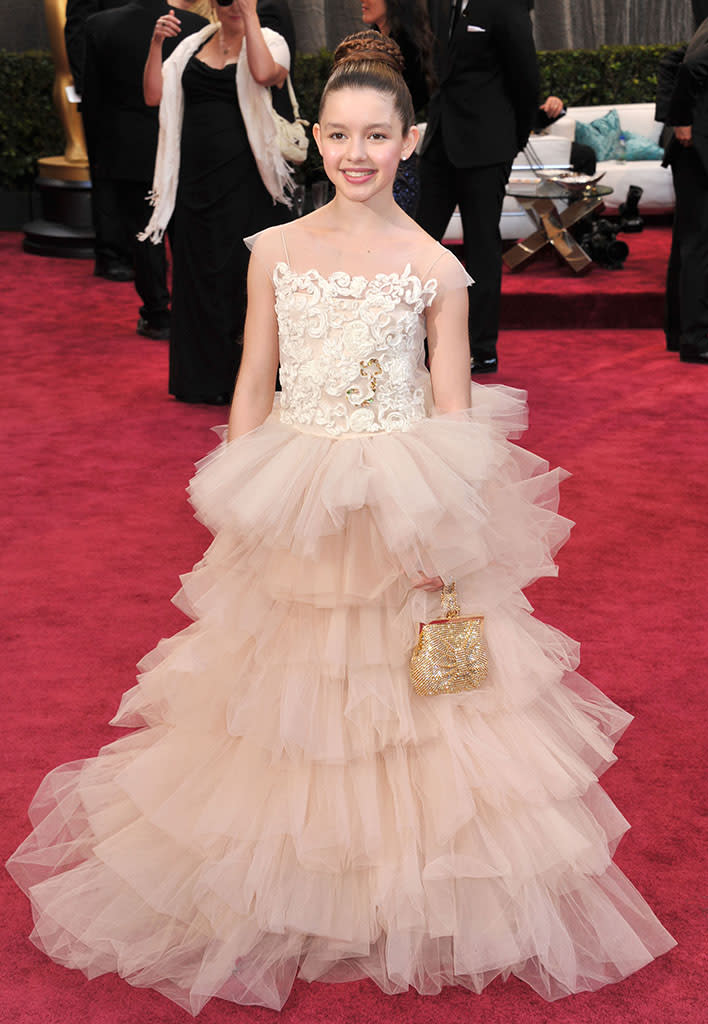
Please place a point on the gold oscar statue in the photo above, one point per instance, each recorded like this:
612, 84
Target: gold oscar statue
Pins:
73, 165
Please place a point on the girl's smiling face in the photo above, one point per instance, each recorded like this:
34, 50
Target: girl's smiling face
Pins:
361, 140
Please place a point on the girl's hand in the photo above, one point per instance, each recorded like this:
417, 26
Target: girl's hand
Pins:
429, 583
166, 26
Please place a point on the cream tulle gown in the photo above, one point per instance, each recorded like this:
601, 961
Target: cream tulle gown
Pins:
288, 806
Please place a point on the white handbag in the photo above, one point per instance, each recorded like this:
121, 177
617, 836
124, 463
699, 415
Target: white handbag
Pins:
291, 135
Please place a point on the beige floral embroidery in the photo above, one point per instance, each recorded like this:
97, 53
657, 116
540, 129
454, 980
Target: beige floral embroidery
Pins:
351, 350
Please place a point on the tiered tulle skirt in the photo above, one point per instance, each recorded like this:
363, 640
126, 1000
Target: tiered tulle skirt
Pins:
288, 807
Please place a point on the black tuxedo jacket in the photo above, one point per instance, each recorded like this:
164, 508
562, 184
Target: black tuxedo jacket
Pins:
77, 11
682, 93
121, 131
488, 85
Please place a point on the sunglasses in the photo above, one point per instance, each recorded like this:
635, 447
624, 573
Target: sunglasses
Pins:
224, 3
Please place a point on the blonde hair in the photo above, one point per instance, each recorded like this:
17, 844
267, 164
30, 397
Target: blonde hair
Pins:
201, 7
205, 8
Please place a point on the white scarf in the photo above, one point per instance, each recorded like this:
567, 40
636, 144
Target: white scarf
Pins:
257, 111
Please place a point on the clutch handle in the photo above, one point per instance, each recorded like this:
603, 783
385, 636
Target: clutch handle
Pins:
449, 601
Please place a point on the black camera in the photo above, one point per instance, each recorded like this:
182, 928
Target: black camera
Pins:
601, 244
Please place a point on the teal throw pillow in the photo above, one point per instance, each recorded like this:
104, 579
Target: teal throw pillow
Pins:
638, 147
602, 134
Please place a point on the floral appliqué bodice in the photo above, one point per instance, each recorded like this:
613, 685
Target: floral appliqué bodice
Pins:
352, 356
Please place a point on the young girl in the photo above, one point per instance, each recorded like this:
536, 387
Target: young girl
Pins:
290, 807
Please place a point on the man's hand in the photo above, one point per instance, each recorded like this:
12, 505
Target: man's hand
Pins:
553, 107
684, 134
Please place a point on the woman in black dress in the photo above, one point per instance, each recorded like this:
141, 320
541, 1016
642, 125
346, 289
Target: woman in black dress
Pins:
406, 22
216, 127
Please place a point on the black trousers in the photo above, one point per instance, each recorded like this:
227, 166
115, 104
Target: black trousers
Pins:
150, 261
686, 312
112, 245
479, 193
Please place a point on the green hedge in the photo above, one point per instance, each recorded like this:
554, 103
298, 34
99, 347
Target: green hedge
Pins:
612, 74
309, 76
29, 125
30, 128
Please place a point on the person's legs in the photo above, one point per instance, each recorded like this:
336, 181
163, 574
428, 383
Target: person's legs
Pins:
113, 255
672, 305
481, 195
437, 199
150, 262
691, 236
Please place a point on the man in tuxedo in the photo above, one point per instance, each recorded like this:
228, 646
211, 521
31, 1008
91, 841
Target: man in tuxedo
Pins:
111, 246
479, 117
121, 134
682, 103
77, 13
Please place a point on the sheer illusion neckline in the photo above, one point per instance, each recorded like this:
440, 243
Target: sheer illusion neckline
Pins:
343, 277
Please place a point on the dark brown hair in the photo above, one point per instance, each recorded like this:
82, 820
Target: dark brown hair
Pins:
370, 60
410, 18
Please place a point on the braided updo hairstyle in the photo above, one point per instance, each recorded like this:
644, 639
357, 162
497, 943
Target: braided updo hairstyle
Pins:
371, 60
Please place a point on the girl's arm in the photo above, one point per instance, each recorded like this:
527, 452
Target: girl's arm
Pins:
449, 357
255, 386
166, 26
449, 350
265, 70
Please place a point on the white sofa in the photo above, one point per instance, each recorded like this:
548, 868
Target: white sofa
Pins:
553, 149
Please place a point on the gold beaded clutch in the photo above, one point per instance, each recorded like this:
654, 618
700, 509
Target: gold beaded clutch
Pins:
451, 655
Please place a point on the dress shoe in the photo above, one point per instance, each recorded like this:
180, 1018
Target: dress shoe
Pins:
148, 330
114, 272
484, 364
630, 220
688, 354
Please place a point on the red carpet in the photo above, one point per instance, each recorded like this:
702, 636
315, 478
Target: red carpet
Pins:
96, 528
545, 291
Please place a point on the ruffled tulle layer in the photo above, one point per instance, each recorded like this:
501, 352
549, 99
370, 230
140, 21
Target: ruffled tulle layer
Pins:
288, 805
